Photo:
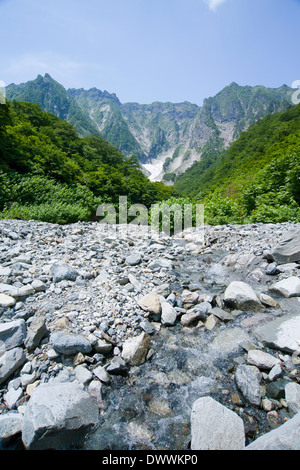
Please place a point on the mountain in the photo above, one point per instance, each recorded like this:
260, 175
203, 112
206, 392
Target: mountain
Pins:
168, 138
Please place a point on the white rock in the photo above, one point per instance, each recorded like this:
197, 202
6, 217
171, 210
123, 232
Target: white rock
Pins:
7, 301
261, 359
292, 396
215, 427
240, 295
135, 349
287, 287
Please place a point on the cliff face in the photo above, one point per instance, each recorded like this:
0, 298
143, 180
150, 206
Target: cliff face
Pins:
166, 137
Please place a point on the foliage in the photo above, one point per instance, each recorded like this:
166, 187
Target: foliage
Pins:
49, 173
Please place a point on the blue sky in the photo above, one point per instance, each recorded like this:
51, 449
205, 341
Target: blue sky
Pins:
151, 50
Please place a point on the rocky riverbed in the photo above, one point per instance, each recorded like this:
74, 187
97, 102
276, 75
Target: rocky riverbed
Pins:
130, 340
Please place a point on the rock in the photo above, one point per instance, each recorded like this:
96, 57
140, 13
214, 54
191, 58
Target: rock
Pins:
284, 437
12, 396
240, 295
248, 383
58, 416
63, 272
268, 301
281, 333
261, 359
10, 361
215, 427
38, 286
151, 303
292, 396
211, 322
134, 259
135, 349
70, 344
117, 366
36, 332
6, 301
101, 346
230, 340
189, 297
168, 314
276, 390
12, 334
275, 372
101, 374
222, 314
289, 287
192, 318
10, 424
83, 375
95, 392
288, 250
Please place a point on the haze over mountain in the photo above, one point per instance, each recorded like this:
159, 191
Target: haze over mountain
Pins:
168, 138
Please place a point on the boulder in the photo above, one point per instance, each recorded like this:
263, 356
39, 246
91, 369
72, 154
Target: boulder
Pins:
7, 301
215, 427
58, 416
10, 424
288, 250
289, 287
281, 333
241, 296
285, 437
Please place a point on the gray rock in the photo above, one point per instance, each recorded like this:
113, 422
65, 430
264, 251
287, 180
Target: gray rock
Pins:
289, 287
117, 366
230, 340
285, 437
292, 396
12, 396
151, 303
168, 314
10, 362
261, 359
240, 295
288, 250
281, 333
83, 375
36, 332
12, 334
95, 392
248, 383
58, 416
214, 426
70, 344
133, 259
10, 424
38, 286
7, 301
63, 272
101, 374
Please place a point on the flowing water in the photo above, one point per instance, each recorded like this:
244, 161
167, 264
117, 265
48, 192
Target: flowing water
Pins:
151, 407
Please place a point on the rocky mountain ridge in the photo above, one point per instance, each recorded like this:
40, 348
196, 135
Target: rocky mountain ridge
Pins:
166, 137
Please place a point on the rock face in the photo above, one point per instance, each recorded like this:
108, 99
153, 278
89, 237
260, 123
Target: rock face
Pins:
214, 427
58, 416
240, 295
288, 250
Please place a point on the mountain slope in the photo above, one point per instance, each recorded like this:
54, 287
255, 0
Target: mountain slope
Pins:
167, 138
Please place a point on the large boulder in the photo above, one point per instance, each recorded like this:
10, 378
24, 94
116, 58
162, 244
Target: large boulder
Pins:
240, 295
285, 437
281, 333
215, 427
288, 250
58, 416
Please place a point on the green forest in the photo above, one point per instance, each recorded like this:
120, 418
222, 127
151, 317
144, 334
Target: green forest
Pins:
48, 173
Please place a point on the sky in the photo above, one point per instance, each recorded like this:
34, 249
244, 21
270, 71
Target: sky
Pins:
151, 50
